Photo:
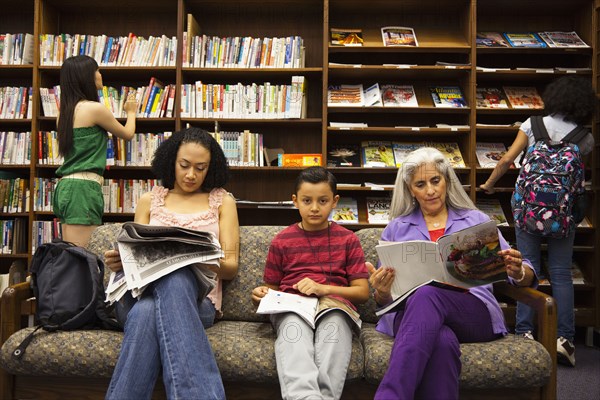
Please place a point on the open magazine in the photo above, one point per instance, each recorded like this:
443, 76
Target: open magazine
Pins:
309, 308
458, 261
150, 252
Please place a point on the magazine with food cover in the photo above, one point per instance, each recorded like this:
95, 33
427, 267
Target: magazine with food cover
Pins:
457, 261
399, 96
346, 37
488, 154
447, 96
492, 207
311, 309
450, 150
149, 252
345, 96
523, 97
491, 39
490, 97
377, 154
398, 36
346, 211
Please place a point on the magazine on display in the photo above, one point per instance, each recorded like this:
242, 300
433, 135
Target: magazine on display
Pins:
491, 39
150, 252
343, 155
447, 96
399, 96
523, 97
346, 211
488, 154
346, 37
490, 97
457, 261
526, 39
377, 154
311, 309
398, 36
493, 209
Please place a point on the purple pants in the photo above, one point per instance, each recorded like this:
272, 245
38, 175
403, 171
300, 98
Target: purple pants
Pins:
425, 358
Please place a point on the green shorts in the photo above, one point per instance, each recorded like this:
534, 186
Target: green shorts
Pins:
78, 202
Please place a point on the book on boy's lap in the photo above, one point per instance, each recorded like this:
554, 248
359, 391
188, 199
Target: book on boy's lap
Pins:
457, 261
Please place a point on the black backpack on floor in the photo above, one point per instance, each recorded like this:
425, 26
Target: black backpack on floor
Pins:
67, 282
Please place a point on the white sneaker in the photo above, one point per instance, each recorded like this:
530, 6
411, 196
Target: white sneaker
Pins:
565, 351
528, 335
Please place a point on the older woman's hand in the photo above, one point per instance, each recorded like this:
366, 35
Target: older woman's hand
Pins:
381, 280
513, 260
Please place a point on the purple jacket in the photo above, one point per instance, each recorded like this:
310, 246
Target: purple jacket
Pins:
413, 227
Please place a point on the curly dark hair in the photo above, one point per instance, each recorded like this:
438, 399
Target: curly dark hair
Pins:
163, 163
316, 175
572, 97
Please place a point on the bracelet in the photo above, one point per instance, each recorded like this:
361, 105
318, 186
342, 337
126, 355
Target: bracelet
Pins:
523, 274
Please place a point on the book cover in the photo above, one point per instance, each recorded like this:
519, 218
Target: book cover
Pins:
399, 96
345, 96
372, 96
491, 39
343, 155
488, 154
398, 36
492, 207
523, 97
490, 97
298, 160
346, 37
451, 151
524, 39
562, 39
459, 260
377, 154
402, 149
346, 211
311, 309
378, 210
447, 96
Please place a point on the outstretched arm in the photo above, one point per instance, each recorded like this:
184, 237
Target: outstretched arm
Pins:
505, 162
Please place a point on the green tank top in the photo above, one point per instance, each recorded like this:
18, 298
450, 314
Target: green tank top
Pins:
88, 152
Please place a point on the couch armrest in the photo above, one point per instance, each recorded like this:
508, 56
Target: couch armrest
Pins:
10, 309
545, 308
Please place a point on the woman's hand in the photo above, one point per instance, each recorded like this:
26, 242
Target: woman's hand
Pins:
513, 260
112, 259
381, 280
258, 293
131, 104
309, 287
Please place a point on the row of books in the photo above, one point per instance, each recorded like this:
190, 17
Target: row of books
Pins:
245, 52
372, 154
16, 48
390, 36
391, 95
130, 50
137, 152
242, 149
529, 39
13, 233
43, 232
15, 102
15, 148
244, 101
516, 96
14, 195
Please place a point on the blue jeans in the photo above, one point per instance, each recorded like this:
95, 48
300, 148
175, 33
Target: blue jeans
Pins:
560, 255
164, 328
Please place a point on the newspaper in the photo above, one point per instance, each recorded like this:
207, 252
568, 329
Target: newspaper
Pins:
150, 252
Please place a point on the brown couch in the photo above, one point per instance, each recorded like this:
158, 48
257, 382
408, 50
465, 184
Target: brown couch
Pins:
79, 364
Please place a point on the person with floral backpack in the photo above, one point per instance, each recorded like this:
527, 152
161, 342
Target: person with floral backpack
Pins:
548, 199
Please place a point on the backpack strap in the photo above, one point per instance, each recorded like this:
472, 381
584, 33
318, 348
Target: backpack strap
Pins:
539, 129
576, 135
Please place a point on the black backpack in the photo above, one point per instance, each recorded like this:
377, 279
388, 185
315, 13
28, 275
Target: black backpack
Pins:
67, 282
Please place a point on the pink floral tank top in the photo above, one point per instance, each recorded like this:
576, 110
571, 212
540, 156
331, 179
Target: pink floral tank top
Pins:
203, 221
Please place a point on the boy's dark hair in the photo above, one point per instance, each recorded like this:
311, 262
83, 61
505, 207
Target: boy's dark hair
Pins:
163, 163
572, 97
316, 175
77, 82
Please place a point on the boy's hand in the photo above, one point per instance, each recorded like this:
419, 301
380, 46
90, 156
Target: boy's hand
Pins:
258, 293
309, 287
112, 259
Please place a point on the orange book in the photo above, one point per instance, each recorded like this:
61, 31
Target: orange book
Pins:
299, 160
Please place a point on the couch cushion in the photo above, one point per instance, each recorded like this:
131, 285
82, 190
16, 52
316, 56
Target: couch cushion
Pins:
254, 246
103, 238
512, 361
369, 238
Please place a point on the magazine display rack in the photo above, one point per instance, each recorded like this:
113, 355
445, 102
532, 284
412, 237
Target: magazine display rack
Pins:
446, 56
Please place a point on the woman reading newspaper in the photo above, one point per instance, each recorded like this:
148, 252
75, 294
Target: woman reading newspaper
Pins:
428, 202
164, 329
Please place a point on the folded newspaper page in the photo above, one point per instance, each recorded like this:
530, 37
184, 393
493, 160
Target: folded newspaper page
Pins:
150, 252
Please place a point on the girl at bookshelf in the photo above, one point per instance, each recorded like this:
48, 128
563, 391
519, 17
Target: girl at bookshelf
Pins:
322, 259
569, 101
170, 334
428, 202
82, 128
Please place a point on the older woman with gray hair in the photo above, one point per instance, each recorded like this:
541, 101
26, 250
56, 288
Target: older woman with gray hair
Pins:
428, 202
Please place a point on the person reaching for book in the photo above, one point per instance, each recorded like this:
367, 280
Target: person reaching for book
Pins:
570, 102
82, 137
165, 328
428, 202
317, 258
